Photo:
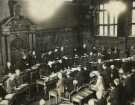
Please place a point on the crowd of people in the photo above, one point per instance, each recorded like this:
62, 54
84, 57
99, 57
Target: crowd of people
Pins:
110, 77
113, 75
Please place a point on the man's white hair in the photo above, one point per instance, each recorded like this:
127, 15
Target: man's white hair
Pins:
94, 73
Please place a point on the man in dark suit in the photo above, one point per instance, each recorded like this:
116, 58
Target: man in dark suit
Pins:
32, 58
56, 54
2, 92
99, 65
18, 78
114, 72
126, 65
50, 56
44, 69
23, 63
84, 49
61, 51
80, 76
75, 52
104, 53
105, 72
118, 95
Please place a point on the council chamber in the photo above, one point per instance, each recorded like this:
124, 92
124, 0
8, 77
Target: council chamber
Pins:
67, 52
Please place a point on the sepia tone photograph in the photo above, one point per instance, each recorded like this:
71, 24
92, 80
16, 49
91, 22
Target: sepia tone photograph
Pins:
67, 52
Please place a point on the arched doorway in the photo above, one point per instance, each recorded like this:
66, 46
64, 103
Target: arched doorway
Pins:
18, 47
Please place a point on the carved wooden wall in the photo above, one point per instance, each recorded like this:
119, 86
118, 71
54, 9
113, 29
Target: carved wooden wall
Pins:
17, 37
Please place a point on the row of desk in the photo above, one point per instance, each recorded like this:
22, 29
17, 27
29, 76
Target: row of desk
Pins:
12, 98
30, 76
27, 77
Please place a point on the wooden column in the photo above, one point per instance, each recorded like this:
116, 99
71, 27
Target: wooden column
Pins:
34, 40
3, 44
30, 41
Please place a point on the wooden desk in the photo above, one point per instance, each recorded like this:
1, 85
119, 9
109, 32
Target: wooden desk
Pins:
81, 95
11, 98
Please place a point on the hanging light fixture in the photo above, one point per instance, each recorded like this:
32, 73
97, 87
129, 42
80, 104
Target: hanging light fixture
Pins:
115, 7
40, 10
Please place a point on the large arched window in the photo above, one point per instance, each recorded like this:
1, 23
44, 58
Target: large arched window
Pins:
133, 19
107, 24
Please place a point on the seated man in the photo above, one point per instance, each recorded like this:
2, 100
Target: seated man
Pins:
114, 73
118, 94
80, 76
98, 87
18, 79
106, 75
2, 92
10, 83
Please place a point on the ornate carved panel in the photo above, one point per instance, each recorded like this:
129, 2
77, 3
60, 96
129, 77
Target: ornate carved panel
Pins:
18, 36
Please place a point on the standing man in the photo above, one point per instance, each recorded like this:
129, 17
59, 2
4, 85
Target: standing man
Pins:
60, 85
32, 58
23, 63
